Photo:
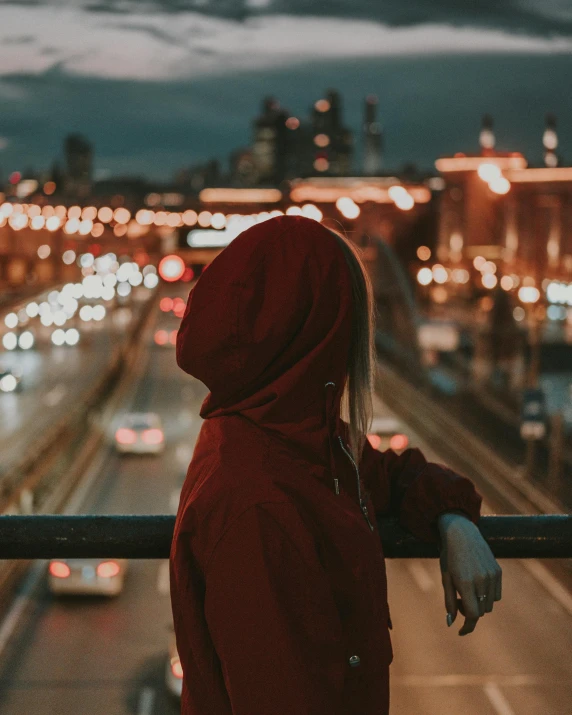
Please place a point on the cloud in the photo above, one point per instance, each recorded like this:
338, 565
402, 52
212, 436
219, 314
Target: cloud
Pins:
159, 84
111, 40
533, 17
428, 107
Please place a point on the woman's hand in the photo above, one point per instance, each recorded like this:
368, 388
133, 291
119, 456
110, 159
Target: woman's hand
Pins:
469, 568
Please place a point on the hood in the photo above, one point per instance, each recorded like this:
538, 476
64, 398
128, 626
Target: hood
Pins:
267, 327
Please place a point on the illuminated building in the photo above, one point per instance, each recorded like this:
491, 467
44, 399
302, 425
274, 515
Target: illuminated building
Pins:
471, 214
271, 142
495, 207
372, 137
333, 143
285, 147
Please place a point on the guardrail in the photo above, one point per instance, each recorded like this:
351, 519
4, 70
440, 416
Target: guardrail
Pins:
465, 450
149, 537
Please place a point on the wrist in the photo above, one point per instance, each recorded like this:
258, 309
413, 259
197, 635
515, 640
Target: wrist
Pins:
447, 518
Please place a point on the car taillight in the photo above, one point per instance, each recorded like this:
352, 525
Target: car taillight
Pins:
399, 441
176, 667
59, 569
152, 436
125, 436
179, 307
166, 304
108, 569
161, 337
374, 440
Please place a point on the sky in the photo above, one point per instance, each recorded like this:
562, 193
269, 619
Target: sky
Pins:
157, 85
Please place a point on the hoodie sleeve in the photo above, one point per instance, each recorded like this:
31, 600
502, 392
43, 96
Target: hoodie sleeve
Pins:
416, 491
272, 616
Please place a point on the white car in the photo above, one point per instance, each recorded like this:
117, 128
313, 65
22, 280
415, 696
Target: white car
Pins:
173, 670
388, 433
87, 577
140, 433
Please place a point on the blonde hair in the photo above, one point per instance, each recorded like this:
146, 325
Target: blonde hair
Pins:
357, 407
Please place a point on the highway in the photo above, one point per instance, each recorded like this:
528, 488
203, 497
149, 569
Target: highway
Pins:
55, 376
82, 656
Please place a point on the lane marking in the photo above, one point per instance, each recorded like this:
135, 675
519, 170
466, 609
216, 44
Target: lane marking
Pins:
20, 603
163, 579
146, 701
546, 579
421, 576
497, 699
54, 396
89, 476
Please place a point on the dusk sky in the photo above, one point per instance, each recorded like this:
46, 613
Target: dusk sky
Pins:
161, 84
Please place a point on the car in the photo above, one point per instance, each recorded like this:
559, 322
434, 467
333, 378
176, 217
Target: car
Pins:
173, 670
165, 338
140, 433
388, 432
87, 577
10, 379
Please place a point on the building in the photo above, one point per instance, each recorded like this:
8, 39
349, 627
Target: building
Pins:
372, 138
243, 171
284, 147
495, 206
79, 165
270, 146
332, 149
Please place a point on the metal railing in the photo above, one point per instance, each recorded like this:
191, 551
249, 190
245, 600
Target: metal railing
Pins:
149, 537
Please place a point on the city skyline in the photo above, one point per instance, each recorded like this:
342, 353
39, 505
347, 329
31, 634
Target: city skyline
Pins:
160, 86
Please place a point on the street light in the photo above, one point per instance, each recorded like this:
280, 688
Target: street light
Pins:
500, 185
488, 172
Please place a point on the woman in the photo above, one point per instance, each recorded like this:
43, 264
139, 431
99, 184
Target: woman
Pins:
278, 580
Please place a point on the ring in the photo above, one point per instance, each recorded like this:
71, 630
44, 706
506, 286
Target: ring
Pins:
482, 598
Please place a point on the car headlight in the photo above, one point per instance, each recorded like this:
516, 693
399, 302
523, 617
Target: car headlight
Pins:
8, 383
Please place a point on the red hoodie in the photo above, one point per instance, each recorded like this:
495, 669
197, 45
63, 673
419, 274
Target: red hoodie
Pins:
278, 581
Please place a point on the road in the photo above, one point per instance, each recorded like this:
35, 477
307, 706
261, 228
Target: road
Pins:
516, 662
88, 656
91, 656
53, 377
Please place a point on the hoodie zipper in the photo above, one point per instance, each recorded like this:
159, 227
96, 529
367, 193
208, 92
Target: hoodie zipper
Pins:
363, 506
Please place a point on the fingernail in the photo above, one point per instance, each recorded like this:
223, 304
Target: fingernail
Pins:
449, 619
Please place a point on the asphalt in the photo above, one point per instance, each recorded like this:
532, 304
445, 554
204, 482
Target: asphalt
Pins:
87, 656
